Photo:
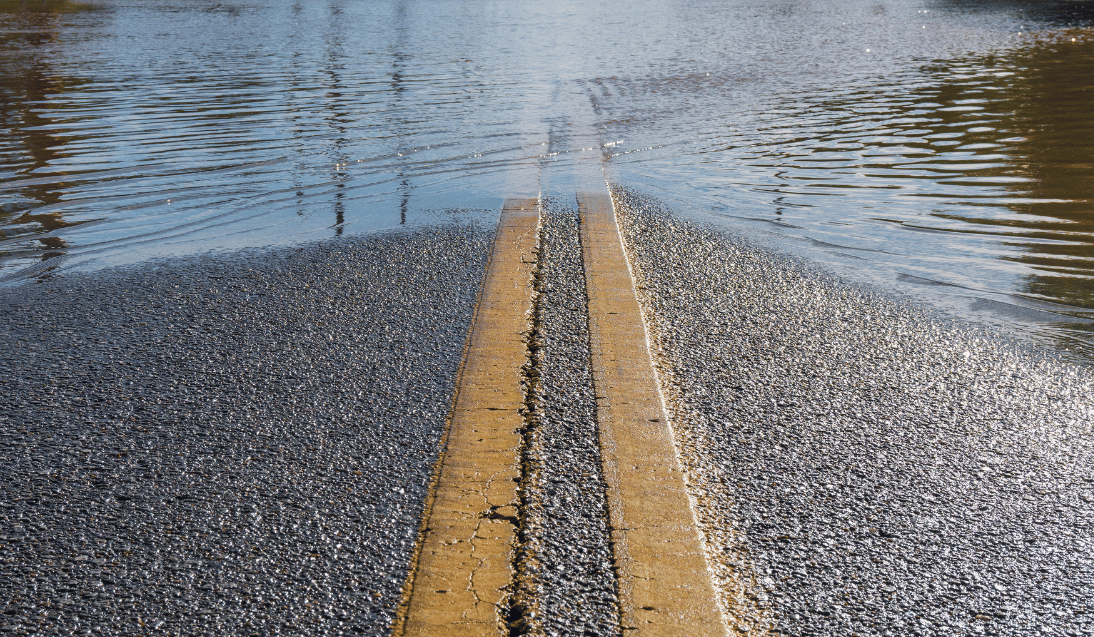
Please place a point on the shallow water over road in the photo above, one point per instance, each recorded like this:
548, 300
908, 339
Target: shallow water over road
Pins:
938, 148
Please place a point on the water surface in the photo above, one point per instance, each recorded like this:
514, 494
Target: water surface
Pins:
939, 148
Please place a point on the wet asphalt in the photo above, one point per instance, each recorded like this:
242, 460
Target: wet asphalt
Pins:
241, 444
860, 466
228, 445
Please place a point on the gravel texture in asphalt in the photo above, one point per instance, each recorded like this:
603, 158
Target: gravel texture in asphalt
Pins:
566, 581
860, 467
234, 444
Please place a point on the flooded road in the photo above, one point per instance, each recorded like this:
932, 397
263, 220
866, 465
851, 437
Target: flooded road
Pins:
940, 149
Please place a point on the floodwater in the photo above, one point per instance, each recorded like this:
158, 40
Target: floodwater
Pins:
942, 149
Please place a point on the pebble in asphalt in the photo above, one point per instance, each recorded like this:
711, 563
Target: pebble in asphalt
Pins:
565, 574
228, 445
859, 467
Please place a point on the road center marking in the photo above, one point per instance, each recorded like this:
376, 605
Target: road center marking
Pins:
464, 568
665, 588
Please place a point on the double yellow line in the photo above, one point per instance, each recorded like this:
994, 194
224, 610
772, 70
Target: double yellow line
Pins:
464, 571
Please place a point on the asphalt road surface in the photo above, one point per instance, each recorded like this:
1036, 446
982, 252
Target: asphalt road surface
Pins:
241, 444
859, 467
223, 445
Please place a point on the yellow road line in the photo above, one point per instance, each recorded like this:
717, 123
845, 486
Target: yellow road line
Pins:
464, 566
664, 586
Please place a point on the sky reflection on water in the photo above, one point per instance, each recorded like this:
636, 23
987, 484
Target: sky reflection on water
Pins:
940, 148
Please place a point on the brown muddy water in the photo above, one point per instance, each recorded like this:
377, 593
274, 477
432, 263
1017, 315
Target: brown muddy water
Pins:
942, 149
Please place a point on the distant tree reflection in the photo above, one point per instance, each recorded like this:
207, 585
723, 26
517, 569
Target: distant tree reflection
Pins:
27, 136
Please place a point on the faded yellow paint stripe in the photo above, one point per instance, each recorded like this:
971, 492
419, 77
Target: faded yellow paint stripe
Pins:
665, 588
464, 566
